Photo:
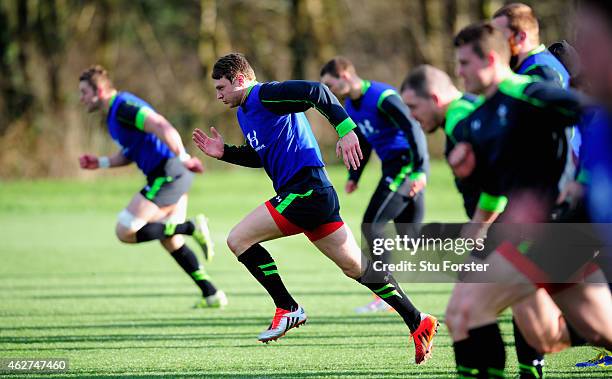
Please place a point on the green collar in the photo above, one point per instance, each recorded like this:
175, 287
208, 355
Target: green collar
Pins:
248, 93
365, 85
537, 50
112, 100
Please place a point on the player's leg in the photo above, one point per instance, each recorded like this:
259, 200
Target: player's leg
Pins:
244, 241
471, 317
587, 308
187, 260
539, 328
340, 247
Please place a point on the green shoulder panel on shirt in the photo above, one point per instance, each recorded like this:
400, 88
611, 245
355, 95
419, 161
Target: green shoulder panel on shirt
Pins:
457, 110
515, 86
141, 117
383, 96
365, 86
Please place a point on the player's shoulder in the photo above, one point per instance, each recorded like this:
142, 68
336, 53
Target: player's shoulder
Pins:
519, 86
128, 99
378, 92
459, 110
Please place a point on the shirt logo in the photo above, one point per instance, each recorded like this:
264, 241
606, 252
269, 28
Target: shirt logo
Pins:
502, 112
366, 127
475, 125
253, 141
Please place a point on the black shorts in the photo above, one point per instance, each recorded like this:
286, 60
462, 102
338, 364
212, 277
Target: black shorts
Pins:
167, 183
552, 256
315, 212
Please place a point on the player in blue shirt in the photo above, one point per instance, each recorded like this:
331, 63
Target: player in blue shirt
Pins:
385, 126
158, 211
520, 25
280, 140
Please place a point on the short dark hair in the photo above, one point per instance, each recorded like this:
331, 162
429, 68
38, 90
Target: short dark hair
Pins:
521, 17
337, 65
425, 79
96, 76
416, 81
231, 65
483, 37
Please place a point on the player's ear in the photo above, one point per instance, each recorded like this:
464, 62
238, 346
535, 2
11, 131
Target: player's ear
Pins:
520, 37
491, 58
435, 99
239, 80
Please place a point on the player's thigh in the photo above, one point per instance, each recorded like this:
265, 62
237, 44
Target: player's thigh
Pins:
384, 205
341, 247
541, 323
588, 308
257, 226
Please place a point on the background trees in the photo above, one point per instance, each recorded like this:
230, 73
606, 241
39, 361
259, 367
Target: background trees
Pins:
164, 51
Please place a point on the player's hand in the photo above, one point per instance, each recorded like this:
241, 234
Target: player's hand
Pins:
193, 164
89, 162
573, 192
350, 186
417, 186
211, 146
462, 160
348, 147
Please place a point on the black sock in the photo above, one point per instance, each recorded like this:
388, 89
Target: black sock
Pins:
530, 361
185, 257
159, 231
482, 354
261, 265
384, 285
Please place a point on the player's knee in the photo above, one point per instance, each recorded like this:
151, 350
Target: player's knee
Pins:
236, 243
127, 226
458, 314
123, 234
173, 244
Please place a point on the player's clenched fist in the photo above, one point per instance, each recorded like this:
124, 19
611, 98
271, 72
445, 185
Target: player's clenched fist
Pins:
89, 162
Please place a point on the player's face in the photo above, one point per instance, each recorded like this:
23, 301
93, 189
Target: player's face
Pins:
475, 71
422, 109
88, 97
593, 39
338, 86
228, 92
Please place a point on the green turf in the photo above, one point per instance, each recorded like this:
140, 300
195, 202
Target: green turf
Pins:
70, 290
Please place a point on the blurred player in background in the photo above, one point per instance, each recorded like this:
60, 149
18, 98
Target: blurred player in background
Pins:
158, 211
384, 125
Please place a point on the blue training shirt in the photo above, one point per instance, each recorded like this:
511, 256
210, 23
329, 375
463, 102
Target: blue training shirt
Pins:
125, 122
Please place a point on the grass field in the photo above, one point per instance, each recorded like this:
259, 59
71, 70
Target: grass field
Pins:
69, 289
